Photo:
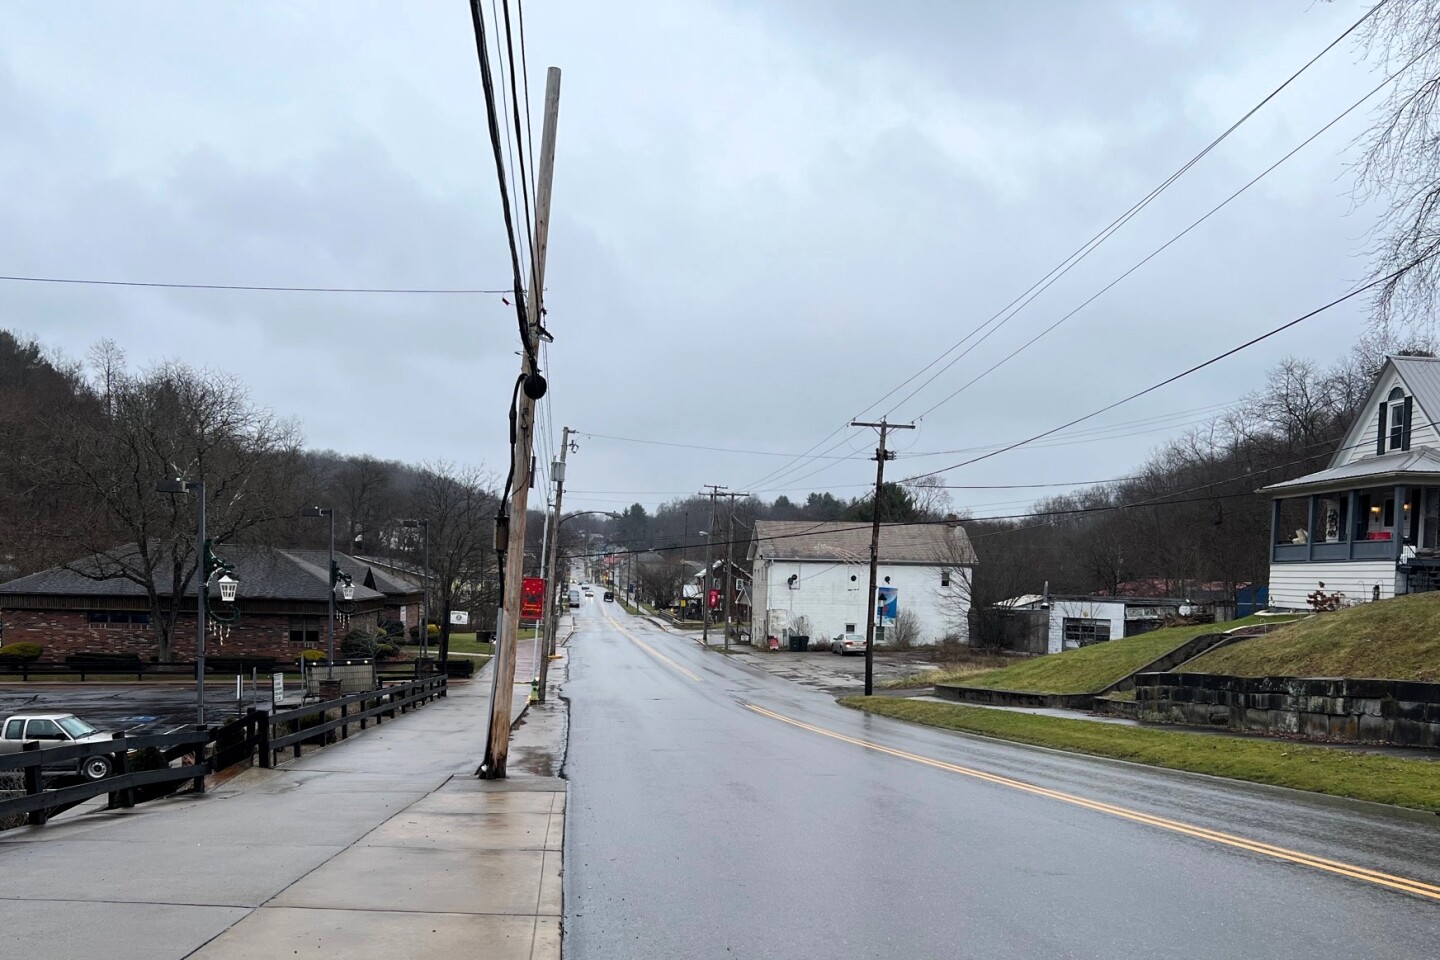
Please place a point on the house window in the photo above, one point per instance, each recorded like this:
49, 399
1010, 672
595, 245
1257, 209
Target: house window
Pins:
944, 578
110, 620
305, 631
1397, 421
849, 628
1083, 631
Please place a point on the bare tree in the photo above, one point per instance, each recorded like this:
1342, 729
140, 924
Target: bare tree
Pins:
460, 504
1400, 166
661, 580
172, 421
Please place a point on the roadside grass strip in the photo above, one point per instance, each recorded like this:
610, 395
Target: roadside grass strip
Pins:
1341, 773
1388, 880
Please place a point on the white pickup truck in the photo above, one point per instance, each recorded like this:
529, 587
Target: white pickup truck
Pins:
57, 730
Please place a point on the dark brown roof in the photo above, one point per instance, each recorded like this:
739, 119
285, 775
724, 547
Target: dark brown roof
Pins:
264, 572
937, 543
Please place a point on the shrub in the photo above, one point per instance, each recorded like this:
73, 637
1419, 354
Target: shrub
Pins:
358, 643
310, 656
12, 784
387, 651
904, 632
21, 652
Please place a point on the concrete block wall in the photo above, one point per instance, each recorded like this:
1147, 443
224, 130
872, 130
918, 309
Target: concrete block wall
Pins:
1385, 711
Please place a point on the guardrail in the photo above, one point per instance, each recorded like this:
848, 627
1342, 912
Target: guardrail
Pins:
202, 751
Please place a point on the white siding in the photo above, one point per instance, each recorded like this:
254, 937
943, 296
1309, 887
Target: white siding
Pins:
1086, 609
1360, 441
826, 593
1291, 583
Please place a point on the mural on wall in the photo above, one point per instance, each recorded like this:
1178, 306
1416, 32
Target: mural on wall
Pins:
887, 605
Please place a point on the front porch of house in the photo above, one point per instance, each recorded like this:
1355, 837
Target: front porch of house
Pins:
1367, 542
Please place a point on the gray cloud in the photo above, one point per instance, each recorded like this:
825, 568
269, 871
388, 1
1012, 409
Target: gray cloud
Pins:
766, 215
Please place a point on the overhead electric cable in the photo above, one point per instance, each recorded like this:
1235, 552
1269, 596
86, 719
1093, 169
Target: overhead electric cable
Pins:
86, 281
1182, 374
1089, 246
1163, 247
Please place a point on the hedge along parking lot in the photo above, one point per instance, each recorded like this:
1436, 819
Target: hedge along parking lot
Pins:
1341, 773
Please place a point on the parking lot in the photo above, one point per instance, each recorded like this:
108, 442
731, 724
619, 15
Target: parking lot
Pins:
120, 707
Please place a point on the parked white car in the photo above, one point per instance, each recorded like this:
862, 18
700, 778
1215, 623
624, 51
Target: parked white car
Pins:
57, 730
848, 643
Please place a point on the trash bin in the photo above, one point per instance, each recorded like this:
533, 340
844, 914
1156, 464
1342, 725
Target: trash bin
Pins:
799, 643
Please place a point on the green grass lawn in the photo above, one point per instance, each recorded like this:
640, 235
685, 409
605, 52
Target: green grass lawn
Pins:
1341, 773
1395, 639
466, 642
1093, 668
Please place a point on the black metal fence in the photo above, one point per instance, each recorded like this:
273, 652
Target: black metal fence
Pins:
199, 751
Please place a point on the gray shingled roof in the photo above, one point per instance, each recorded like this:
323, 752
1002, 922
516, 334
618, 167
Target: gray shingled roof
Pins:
1421, 463
265, 573
850, 540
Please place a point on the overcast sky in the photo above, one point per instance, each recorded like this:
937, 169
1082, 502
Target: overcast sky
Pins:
767, 214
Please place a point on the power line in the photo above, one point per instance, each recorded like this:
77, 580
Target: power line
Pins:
1164, 246
86, 281
1085, 249
693, 446
487, 82
1184, 373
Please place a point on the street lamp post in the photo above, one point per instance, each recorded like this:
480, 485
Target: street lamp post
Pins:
177, 485
424, 526
206, 566
335, 578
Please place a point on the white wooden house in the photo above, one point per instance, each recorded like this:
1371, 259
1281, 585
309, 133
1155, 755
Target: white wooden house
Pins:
820, 570
1367, 526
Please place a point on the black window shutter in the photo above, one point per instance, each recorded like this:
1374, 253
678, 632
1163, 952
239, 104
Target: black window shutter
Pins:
1405, 431
1380, 433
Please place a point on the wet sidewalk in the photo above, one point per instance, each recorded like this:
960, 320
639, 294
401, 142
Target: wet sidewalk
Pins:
382, 845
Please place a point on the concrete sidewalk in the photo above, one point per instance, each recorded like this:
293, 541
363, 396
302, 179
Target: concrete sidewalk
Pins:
381, 845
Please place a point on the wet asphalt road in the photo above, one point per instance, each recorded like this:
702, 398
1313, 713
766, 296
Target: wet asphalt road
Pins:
700, 828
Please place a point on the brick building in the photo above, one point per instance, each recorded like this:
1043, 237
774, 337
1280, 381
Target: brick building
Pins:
282, 604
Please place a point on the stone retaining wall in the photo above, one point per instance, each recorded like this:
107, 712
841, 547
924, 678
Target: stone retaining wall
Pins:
1386, 711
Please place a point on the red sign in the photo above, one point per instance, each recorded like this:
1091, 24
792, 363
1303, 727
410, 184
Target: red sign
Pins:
714, 599
532, 598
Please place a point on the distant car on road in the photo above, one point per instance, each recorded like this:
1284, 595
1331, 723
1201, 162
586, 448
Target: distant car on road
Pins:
609, 596
57, 730
574, 598
848, 643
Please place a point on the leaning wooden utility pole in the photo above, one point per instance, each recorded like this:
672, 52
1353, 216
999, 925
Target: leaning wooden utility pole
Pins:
552, 587
497, 746
881, 455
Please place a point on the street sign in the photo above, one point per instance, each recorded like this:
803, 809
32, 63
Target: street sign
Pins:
277, 687
532, 598
714, 599
459, 618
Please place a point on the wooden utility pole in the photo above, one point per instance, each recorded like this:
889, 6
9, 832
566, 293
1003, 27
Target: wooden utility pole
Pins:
552, 611
727, 579
881, 455
497, 746
714, 489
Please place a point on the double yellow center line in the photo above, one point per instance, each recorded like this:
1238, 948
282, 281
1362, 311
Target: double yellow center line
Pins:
1403, 884
652, 651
